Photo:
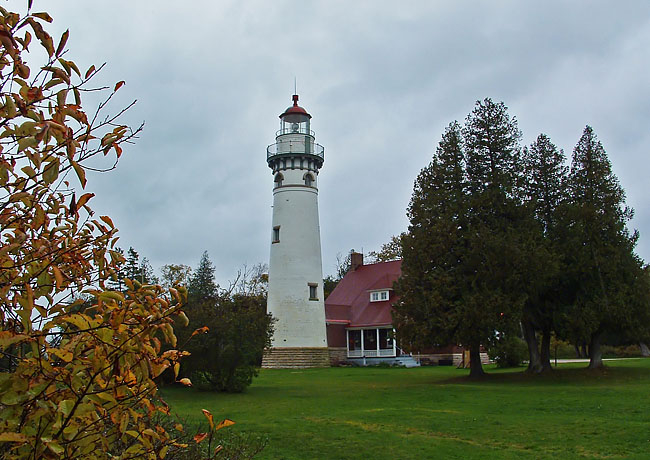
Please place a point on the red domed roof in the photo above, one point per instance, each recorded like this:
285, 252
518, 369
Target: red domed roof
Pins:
295, 109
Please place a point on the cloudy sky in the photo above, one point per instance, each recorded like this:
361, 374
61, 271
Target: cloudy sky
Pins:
381, 79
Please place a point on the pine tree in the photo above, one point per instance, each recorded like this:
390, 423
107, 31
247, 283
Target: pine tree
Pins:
202, 286
546, 176
497, 262
604, 269
432, 284
132, 269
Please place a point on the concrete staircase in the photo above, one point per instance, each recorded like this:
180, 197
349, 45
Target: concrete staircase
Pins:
295, 357
407, 361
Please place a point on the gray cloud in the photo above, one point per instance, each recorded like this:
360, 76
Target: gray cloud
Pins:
381, 81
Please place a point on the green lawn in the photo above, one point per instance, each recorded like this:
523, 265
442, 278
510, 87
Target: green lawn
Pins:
435, 412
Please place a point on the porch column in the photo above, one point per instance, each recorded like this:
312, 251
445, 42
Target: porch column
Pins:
347, 342
363, 348
378, 352
394, 343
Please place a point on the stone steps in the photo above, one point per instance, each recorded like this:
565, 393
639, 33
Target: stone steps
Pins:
295, 357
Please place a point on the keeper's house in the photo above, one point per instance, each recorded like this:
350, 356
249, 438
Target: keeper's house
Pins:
359, 321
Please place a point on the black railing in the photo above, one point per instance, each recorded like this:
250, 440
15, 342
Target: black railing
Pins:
295, 147
291, 130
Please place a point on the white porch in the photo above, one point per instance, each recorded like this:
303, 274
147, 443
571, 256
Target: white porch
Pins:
378, 342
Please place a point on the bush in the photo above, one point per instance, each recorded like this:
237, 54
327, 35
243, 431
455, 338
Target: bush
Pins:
508, 352
226, 357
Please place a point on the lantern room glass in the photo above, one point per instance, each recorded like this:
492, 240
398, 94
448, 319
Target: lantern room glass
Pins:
295, 123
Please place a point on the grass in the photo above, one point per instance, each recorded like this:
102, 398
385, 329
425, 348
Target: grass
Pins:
436, 412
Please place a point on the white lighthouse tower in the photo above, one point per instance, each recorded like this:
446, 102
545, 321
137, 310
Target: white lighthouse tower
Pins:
295, 296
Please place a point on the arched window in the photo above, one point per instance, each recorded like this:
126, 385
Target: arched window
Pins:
309, 179
278, 179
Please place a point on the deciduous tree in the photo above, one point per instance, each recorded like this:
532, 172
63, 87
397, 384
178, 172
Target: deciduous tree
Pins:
78, 381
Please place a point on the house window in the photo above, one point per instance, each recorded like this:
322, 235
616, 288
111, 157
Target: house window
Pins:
278, 179
378, 296
354, 340
313, 291
276, 235
309, 180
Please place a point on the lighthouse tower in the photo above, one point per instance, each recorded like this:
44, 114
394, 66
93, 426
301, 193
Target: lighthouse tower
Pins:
295, 296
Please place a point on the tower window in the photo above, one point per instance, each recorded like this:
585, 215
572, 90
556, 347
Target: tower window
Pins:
276, 235
309, 180
278, 179
313, 291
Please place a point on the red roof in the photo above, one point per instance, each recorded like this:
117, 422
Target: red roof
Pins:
350, 302
295, 109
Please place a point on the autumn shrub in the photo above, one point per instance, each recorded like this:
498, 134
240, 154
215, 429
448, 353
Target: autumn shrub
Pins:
77, 359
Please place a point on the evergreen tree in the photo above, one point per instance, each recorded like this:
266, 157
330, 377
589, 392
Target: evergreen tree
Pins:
603, 267
202, 286
132, 269
433, 285
497, 261
545, 183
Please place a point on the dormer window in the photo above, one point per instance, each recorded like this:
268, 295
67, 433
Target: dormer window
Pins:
379, 296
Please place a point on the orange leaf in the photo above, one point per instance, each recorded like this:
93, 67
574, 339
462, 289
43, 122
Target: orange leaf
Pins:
58, 276
119, 84
90, 70
201, 330
187, 382
224, 424
200, 437
107, 220
83, 199
208, 415
64, 39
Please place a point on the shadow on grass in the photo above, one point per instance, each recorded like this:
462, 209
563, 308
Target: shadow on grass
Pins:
564, 374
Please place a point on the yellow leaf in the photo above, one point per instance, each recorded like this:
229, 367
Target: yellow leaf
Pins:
51, 171
224, 424
187, 382
184, 319
13, 437
8, 338
43, 15
81, 174
177, 367
58, 276
208, 415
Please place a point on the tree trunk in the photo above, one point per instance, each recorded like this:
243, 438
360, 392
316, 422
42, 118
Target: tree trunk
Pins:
546, 351
578, 355
583, 351
645, 351
475, 366
595, 352
534, 362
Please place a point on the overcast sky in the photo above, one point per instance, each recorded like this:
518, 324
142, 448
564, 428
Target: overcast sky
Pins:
381, 79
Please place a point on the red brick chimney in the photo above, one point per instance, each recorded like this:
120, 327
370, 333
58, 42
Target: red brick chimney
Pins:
356, 260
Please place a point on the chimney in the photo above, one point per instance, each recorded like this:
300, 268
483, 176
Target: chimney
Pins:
356, 260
